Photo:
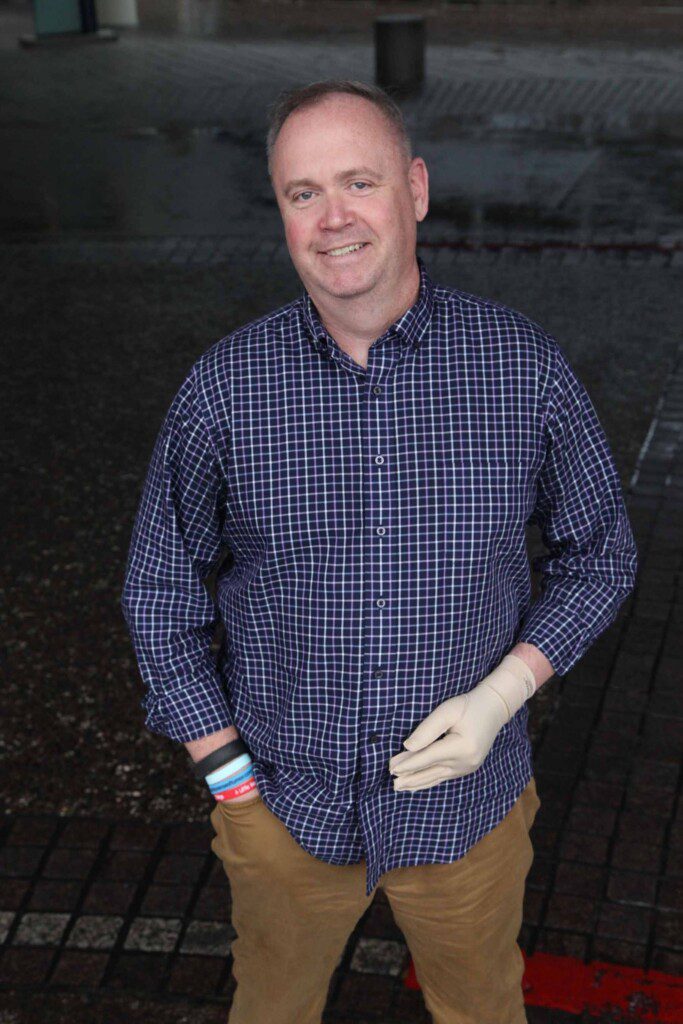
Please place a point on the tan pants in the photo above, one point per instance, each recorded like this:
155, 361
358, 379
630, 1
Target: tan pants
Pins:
294, 913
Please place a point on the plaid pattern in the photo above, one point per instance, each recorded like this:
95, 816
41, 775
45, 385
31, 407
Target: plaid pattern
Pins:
370, 531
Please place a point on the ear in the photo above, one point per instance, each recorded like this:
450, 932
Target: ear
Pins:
418, 176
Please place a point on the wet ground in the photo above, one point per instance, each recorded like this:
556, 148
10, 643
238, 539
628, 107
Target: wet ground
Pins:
138, 228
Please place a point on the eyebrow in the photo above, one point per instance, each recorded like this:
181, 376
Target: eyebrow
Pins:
298, 182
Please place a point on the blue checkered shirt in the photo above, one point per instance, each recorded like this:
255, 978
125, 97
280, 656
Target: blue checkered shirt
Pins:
370, 526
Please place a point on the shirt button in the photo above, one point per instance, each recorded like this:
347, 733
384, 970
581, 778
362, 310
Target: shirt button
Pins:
379, 459
376, 390
374, 738
378, 673
381, 530
381, 601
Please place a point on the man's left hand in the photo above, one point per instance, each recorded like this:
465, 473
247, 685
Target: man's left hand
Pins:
471, 721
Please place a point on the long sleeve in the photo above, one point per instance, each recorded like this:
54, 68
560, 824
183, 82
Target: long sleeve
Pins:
175, 543
591, 563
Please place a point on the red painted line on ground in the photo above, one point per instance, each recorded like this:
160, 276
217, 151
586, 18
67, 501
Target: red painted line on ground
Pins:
550, 243
564, 983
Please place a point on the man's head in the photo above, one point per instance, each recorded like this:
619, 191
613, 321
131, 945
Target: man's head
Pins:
342, 170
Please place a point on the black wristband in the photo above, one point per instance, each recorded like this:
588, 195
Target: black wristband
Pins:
217, 758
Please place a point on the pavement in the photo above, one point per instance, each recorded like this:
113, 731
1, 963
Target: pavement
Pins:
137, 228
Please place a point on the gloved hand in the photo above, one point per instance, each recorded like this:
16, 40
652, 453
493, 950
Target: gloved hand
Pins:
471, 722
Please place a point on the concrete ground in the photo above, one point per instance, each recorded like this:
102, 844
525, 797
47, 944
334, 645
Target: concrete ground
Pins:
138, 228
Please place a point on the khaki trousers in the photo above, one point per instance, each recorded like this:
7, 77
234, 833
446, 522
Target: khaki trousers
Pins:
294, 913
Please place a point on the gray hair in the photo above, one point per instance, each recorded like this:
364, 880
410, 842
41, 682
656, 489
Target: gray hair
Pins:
308, 95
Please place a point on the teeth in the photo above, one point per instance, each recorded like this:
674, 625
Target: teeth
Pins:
347, 248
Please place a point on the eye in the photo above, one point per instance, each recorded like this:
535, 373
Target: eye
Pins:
363, 183
299, 194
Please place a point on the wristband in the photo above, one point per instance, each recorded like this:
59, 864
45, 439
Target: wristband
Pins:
218, 757
236, 778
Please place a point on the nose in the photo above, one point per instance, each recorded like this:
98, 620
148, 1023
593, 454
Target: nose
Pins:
335, 213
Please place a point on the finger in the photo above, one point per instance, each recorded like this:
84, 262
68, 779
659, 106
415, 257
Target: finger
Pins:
440, 750
418, 780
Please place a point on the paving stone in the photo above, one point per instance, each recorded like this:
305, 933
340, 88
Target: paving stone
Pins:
179, 868
592, 820
670, 895
20, 861
573, 913
191, 837
83, 832
213, 904
109, 897
668, 960
143, 971
6, 919
33, 830
632, 826
79, 969
540, 874
625, 923
123, 866
378, 956
360, 993
409, 1006
674, 863
69, 863
196, 975
533, 906
579, 879
561, 943
379, 923
603, 794
208, 938
217, 877
635, 856
654, 774
668, 675
153, 934
95, 931
607, 767
54, 895
582, 847
166, 900
544, 839
642, 801
27, 966
632, 887
12, 892
38, 929
614, 951
134, 836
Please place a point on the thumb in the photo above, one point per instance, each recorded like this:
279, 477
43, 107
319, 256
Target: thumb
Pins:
434, 726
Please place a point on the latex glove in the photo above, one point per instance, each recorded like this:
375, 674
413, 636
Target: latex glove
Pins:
471, 722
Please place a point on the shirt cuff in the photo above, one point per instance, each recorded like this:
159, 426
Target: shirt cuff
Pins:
567, 619
197, 710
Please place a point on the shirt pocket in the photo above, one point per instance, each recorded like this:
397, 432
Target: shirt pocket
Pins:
487, 502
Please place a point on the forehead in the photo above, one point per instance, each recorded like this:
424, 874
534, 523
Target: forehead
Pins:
335, 127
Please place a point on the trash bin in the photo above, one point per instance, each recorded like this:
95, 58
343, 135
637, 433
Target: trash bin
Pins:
399, 52
117, 13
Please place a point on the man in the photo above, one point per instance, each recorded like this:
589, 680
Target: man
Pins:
370, 454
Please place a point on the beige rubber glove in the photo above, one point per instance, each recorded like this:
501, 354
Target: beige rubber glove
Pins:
471, 722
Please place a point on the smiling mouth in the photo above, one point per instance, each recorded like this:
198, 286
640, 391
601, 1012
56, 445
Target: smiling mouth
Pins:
345, 250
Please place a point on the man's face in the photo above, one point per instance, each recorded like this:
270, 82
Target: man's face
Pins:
340, 177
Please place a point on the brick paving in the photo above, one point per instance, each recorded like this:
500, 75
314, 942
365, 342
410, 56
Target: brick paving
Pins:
101, 905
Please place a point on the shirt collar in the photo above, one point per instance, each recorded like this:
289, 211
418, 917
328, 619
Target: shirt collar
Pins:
408, 329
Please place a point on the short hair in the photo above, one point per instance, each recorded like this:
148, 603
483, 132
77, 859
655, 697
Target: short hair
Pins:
308, 95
